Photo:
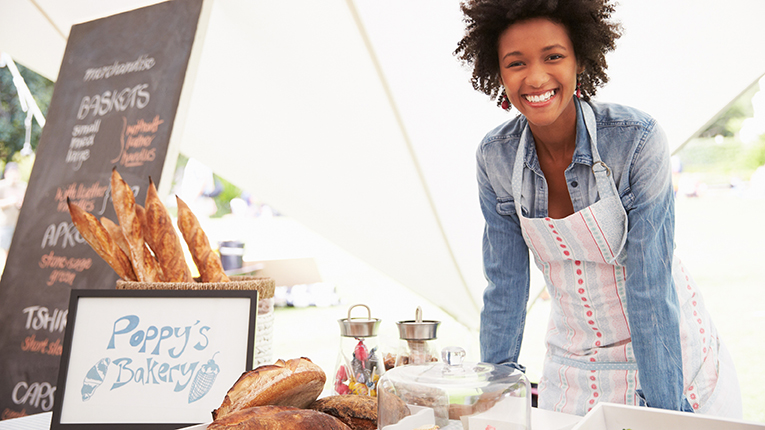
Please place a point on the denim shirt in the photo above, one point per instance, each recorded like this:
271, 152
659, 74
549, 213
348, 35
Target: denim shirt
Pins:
635, 148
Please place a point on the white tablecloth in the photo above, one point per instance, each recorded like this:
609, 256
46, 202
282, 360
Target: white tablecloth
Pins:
31, 422
540, 420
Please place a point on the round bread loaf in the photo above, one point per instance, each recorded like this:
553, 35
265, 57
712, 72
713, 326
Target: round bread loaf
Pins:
391, 408
296, 382
358, 412
277, 418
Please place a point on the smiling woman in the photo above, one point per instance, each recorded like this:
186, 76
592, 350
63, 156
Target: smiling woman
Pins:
586, 189
538, 70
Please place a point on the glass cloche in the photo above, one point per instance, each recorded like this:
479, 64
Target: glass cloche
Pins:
453, 395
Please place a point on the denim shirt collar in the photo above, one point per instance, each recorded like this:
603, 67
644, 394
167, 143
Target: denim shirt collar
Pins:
585, 121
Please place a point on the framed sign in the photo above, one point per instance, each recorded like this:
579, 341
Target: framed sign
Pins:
159, 359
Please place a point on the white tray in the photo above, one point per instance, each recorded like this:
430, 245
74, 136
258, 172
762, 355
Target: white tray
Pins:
197, 427
610, 416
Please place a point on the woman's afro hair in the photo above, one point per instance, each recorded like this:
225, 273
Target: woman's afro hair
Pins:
588, 22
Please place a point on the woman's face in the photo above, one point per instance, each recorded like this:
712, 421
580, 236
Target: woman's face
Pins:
538, 69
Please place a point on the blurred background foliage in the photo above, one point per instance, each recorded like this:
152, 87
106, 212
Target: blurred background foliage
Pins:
718, 156
12, 129
225, 191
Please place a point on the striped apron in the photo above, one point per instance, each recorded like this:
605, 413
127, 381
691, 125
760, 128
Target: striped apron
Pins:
589, 355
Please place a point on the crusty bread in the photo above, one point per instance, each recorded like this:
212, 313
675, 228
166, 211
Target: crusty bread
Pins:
151, 264
116, 233
140, 213
207, 262
160, 234
485, 401
357, 412
101, 241
296, 382
277, 418
392, 408
124, 207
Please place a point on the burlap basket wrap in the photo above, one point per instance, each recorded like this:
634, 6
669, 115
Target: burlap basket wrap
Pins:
264, 339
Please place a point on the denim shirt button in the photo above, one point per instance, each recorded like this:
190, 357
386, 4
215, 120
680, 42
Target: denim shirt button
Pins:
574, 184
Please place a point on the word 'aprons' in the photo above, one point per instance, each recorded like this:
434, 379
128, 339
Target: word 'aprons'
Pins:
589, 350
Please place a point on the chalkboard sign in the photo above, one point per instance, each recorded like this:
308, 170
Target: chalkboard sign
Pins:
113, 106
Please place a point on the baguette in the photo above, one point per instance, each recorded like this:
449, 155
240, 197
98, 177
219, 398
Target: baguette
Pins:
151, 265
140, 213
124, 206
101, 241
208, 263
160, 234
116, 233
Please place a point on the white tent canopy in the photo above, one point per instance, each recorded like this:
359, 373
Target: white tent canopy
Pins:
354, 118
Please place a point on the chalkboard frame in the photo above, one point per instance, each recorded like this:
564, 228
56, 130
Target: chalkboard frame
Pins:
119, 295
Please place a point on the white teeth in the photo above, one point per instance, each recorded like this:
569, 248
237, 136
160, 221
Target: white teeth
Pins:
541, 98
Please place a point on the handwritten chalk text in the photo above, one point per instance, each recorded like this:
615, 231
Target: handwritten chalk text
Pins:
41, 318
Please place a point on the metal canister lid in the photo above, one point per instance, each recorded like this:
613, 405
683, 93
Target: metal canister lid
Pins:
359, 327
418, 329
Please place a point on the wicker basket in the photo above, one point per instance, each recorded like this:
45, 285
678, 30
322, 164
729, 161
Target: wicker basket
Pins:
264, 332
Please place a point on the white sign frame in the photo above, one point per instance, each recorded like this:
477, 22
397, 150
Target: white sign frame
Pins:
159, 359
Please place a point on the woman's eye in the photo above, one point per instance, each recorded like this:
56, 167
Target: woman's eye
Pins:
514, 64
555, 57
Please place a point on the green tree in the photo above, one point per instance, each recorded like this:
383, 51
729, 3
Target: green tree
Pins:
729, 121
12, 129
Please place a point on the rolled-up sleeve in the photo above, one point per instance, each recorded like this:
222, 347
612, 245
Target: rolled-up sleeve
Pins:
506, 267
652, 303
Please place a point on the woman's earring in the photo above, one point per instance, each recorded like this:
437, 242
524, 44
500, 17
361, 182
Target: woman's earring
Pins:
505, 102
578, 89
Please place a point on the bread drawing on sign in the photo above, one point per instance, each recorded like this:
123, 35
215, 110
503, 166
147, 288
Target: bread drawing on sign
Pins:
94, 378
204, 380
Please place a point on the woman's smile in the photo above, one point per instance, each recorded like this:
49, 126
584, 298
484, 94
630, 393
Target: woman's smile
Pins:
538, 69
540, 99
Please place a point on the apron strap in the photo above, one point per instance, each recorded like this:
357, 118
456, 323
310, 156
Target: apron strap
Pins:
603, 178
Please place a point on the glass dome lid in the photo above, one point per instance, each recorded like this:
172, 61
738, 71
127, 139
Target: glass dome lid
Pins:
451, 394
453, 373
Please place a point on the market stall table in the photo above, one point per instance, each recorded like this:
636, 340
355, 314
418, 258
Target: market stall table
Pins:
540, 419
602, 417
